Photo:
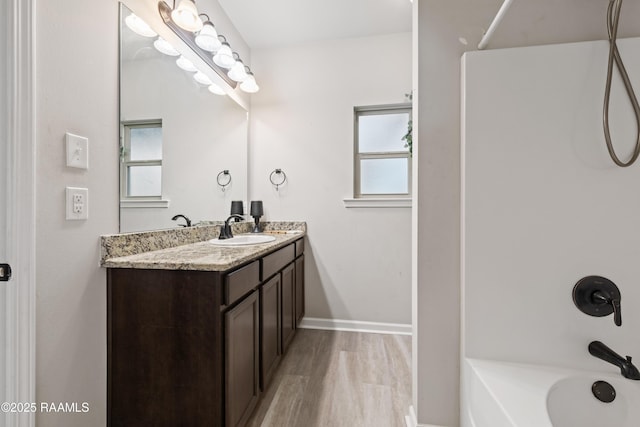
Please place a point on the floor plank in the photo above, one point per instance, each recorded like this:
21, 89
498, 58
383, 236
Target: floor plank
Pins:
336, 379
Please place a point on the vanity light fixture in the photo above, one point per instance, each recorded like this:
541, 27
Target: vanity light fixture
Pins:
224, 57
249, 84
165, 47
138, 26
237, 72
204, 41
186, 65
215, 89
186, 15
202, 78
207, 38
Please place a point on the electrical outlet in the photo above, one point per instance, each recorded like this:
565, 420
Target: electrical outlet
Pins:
77, 205
77, 151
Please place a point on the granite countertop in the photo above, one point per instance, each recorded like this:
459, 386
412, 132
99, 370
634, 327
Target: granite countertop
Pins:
201, 255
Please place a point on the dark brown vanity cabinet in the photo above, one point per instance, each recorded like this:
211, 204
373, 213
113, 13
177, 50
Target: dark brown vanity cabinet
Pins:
242, 360
195, 348
165, 358
270, 328
299, 289
288, 305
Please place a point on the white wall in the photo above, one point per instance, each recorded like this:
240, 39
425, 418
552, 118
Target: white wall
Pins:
436, 220
544, 204
5, 16
445, 29
76, 91
358, 260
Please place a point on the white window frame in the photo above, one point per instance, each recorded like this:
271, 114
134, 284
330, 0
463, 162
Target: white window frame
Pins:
127, 201
378, 200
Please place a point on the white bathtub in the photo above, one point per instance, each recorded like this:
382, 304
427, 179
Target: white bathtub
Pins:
501, 394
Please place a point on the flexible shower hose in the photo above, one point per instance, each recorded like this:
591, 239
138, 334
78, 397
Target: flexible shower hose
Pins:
613, 16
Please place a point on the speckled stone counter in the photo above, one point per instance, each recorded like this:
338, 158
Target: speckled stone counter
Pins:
189, 248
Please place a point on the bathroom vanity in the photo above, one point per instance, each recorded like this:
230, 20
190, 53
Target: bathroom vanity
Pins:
195, 332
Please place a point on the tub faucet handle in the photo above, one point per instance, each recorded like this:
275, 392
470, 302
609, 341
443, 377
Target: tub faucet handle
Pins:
598, 296
617, 314
603, 298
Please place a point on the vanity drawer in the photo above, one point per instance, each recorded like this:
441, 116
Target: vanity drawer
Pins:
275, 262
241, 281
299, 247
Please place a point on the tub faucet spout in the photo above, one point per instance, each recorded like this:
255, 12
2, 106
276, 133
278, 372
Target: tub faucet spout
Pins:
627, 369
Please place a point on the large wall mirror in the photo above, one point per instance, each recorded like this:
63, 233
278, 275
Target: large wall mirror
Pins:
177, 139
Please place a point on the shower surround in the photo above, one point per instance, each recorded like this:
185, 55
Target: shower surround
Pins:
543, 206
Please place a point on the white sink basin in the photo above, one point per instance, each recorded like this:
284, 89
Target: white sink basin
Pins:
244, 239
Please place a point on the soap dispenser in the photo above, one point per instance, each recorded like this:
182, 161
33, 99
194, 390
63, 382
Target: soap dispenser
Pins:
256, 212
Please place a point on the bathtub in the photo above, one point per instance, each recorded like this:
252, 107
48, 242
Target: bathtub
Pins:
501, 394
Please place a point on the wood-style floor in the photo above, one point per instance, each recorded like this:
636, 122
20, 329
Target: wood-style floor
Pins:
330, 378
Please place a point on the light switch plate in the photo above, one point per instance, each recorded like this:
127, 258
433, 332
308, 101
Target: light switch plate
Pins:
77, 206
77, 151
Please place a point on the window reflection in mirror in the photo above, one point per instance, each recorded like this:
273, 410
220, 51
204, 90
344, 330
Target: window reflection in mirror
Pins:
141, 157
197, 135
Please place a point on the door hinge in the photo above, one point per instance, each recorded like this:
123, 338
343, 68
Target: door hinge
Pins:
5, 272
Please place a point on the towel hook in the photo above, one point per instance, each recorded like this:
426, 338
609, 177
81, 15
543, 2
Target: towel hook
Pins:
220, 179
277, 182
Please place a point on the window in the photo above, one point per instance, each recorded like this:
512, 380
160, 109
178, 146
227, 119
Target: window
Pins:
382, 159
141, 161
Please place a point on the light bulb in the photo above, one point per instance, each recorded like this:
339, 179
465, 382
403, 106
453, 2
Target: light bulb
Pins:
165, 47
214, 88
202, 78
224, 58
237, 72
186, 16
138, 26
185, 64
207, 38
249, 84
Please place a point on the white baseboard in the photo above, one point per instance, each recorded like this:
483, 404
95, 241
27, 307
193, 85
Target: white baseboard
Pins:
355, 326
411, 420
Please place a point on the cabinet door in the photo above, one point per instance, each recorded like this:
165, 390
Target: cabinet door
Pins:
270, 339
288, 305
241, 360
165, 341
299, 289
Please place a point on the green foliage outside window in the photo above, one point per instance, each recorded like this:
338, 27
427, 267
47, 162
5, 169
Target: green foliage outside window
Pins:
408, 137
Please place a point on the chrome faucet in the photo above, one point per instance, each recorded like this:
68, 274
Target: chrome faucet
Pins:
175, 218
225, 230
601, 351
